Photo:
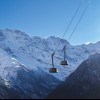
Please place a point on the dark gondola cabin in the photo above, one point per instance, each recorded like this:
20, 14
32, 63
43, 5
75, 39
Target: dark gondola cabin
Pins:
53, 70
64, 62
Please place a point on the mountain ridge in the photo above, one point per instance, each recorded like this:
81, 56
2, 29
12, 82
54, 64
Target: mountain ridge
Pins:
21, 53
84, 83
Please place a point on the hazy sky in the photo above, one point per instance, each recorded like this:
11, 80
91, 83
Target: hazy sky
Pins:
51, 17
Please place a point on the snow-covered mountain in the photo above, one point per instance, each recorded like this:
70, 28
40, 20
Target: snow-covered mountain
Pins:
18, 68
84, 83
20, 53
37, 51
26, 82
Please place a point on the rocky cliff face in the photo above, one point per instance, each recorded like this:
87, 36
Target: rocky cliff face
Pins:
84, 83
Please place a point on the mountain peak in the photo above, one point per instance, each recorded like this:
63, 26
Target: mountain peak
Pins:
53, 38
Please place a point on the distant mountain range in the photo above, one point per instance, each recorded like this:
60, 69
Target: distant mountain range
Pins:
25, 62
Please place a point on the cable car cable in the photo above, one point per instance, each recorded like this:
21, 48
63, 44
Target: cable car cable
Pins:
56, 70
78, 22
73, 17
70, 25
65, 62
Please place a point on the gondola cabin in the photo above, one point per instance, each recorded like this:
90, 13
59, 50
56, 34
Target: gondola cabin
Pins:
64, 62
53, 70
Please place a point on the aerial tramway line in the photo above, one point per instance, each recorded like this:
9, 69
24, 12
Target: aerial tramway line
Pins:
64, 62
